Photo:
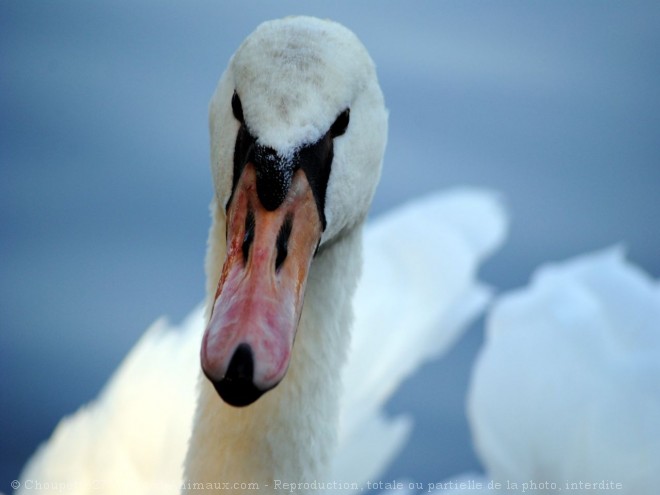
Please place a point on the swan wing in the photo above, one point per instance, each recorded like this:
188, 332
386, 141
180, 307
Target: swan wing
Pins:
567, 385
133, 437
418, 291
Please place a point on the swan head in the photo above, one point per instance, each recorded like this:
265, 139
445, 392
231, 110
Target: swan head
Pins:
298, 131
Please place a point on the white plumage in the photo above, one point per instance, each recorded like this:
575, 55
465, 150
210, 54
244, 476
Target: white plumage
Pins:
133, 437
567, 386
419, 290
408, 311
566, 389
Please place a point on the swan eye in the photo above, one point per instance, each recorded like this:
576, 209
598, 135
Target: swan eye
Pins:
340, 125
237, 108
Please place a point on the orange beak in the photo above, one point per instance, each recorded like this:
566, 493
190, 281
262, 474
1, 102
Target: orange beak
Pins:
247, 344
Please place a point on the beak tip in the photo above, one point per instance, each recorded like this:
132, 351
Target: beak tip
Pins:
237, 393
237, 387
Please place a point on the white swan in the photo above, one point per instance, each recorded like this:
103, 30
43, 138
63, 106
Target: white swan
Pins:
298, 130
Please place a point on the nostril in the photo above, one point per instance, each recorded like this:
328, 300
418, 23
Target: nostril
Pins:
248, 237
283, 241
241, 366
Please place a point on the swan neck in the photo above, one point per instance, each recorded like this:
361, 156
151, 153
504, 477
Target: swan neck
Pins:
289, 434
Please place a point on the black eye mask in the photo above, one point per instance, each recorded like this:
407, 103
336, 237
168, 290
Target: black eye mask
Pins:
275, 172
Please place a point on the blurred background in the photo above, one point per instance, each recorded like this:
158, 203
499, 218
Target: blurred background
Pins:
105, 181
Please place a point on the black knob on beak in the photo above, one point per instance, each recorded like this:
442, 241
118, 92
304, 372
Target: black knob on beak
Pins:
237, 387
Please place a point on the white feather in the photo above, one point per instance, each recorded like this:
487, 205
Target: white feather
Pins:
418, 292
567, 386
133, 437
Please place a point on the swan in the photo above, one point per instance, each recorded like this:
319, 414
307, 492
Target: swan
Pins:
298, 130
565, 393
